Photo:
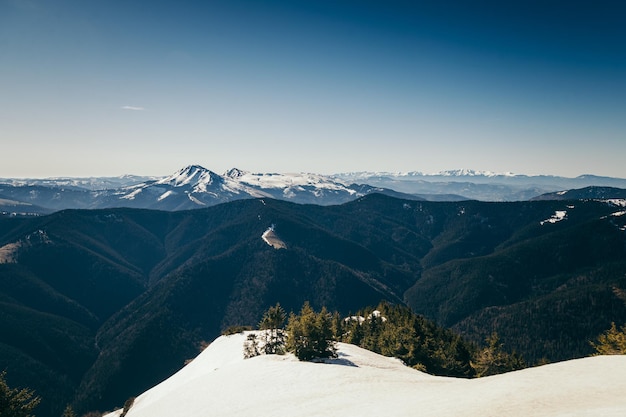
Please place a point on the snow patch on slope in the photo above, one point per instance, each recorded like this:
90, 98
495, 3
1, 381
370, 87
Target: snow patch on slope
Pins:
617, 202
270, 237
297, 181
361, 319
132, 195
195, 200
165, 195
558, 216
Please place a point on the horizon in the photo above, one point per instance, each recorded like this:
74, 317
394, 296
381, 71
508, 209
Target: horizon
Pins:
93, 89
223, 172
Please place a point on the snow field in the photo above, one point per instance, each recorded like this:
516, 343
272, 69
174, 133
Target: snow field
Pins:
219, 382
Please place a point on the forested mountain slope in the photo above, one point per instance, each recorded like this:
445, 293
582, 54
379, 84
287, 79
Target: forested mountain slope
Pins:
99, 305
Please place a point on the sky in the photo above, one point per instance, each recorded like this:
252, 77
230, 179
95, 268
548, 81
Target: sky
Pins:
105, 88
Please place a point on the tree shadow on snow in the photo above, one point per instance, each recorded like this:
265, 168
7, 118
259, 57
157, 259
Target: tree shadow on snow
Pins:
340, 360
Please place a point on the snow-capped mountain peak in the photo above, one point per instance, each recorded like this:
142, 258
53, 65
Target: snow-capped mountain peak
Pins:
194, 186
235, 173
190, 175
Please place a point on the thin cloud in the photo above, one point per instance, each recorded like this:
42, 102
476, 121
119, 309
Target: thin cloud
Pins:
135, 108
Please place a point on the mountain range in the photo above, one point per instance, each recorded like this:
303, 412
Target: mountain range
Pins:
195, 187
479, 185
189, 188
100, 305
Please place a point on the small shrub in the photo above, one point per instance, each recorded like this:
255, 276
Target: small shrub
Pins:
251, 347
420, 367
127, 405
68, 412
93, 414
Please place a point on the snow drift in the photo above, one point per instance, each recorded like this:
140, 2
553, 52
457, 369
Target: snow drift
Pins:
219, 382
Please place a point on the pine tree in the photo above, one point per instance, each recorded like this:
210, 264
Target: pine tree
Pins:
337, 326
274, 336
310, 334
326, 345
372, 329
15, 402
611, 342
394, 330
494, 360
353, 332
68, 412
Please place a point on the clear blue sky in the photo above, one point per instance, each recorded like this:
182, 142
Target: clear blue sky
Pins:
108, 87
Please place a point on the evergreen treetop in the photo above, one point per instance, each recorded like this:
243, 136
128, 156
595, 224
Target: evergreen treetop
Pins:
16, 402
494, 360
310, 334
611, 342
273, 335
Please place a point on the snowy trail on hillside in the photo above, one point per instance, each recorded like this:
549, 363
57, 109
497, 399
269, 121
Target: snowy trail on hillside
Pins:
219, 382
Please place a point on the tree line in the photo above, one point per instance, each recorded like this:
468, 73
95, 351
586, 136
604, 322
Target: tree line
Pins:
388, 329
394, 330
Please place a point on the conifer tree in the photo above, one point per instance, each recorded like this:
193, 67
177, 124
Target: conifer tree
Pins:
611, 342
326, 345
15, 402
372, 329
394, 330
68, 412
494, 360
353, 332
273, 336
337, 326
310, 334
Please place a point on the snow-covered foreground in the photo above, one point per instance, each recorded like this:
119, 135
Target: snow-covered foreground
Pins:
219, 382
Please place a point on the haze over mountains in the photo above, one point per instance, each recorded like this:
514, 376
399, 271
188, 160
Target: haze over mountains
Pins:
480, 185
195, 187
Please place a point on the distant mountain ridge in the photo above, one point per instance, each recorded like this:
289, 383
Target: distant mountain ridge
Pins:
596, 193
195, 187
81, 183
188, 188
478, 185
